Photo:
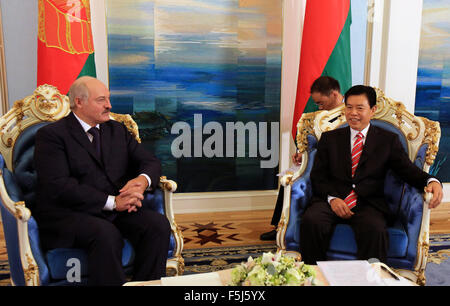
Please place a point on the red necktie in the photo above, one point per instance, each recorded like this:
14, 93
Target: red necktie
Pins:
350, 200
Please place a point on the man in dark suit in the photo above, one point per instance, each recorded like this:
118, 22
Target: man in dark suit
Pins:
90, 187
326, 94
356, 196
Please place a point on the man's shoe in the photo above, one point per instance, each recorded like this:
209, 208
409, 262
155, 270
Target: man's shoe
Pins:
272, 235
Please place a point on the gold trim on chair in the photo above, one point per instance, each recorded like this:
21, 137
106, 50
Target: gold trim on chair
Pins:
126, 120
432, 137
177, 261
46, 104
417, 130
22, 215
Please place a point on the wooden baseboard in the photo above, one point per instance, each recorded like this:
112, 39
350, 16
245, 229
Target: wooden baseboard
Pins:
446, 190
224, 201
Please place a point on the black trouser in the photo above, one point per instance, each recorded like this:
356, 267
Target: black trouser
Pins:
147, 231
318, 224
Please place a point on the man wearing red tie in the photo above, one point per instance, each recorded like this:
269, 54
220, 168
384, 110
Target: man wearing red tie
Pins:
348, 176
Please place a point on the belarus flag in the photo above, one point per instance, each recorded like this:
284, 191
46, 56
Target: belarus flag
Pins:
65, 45
325, 50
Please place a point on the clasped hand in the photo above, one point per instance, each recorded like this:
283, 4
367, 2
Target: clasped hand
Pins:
131, 194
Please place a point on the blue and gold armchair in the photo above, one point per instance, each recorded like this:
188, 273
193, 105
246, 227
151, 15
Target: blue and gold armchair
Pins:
409, 235
29, 264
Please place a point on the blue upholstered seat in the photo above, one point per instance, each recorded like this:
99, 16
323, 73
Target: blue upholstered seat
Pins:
29, 263
408, 235
57, 260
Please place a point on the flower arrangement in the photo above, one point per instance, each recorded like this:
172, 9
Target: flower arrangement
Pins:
273, 270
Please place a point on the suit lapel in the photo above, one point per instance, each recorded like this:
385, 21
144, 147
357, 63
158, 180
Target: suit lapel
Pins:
80, 136
347, 154
105, 135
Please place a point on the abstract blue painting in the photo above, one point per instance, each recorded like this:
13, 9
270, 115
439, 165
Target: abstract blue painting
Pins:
433, 77
197, 66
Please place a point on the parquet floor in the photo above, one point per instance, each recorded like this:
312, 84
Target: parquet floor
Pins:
224, 228
440, 219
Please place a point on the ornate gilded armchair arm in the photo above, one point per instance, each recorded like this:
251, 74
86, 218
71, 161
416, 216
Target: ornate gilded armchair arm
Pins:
22, 214
285, 181
169, 187
417, 275
423, 243
295, 199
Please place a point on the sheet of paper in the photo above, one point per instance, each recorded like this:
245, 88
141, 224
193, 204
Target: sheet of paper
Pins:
202, 279
401, 282
391, 278
350, 273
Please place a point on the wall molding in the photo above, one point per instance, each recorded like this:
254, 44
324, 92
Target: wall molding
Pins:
393, 49
202, 202
99, 33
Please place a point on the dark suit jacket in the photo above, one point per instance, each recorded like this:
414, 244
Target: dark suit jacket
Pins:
72, 179
331, 172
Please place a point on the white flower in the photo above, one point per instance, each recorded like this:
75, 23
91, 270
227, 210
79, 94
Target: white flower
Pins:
267, 258
293, 277
257, 276
273, 270
237, 274
278, 256
250, 263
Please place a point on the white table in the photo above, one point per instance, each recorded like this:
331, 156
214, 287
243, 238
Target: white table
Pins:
223, 278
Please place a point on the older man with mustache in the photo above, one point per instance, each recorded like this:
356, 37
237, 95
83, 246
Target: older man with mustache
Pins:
92, 175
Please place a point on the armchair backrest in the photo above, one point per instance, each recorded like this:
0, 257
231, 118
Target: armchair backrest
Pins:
20, 124
17, 130
416, 133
